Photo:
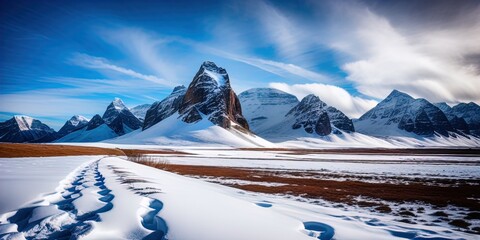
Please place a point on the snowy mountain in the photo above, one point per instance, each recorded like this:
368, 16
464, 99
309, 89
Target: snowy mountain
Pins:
309, 118
119, 118
471, 113
172, 131
25, 129
165, 108
207, 113
457, 123
75, 123
140, 111
211, 95
401, 115
265, 107
95, 130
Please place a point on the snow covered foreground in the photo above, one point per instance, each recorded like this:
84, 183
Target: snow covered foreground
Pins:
111, 198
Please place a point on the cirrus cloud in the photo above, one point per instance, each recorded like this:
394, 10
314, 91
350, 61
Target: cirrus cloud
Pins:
337, 97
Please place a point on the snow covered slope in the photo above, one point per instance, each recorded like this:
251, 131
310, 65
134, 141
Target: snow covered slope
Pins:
110, 198
265, 107
359, 140
174, 132
96, 130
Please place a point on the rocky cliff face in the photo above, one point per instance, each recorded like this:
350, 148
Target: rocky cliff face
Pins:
399, 111
470, 112
165, 108
119, 118
314, 116
210, 95
95, 122
75, 123
21, 129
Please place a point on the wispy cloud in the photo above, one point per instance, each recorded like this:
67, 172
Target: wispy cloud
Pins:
424, 61
337, 97
99, 63
149, 49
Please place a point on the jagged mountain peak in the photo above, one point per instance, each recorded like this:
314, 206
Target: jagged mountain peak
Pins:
78, 119
312, 99
118, 104
209, 73
25, 129
119, 118
400, 114
313, 115
24, 122
398, 94
75, 123
210, 94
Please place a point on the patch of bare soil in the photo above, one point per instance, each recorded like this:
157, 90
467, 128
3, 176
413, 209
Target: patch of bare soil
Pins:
461, 194
11, 150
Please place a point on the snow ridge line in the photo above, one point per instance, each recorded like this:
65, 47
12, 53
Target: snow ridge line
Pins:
150, 207
56, 216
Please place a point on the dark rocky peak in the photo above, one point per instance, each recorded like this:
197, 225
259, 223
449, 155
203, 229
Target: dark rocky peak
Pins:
210, 94
316, 116
113, 109
165, 108
120, 119
25, 129
210, 76
95, 122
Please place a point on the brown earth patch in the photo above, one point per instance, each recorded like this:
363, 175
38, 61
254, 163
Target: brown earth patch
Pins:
12, 150
462, 194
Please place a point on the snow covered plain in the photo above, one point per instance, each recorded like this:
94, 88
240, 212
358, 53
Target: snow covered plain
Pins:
111, 198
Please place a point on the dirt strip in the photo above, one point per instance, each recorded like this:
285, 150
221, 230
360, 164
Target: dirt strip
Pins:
12, 150
462, 193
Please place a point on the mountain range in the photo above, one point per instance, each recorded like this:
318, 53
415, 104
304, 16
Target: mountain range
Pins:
208, 110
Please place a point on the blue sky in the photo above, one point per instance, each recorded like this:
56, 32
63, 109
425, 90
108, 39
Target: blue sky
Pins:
61, 58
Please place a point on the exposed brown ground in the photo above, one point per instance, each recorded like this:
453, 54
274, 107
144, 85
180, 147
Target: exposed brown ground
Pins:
49, 150
458, 194
45, 150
